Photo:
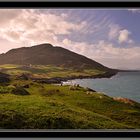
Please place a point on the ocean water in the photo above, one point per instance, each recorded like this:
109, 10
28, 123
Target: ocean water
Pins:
124, 84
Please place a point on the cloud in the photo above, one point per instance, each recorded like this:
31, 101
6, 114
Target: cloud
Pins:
6, 45
118, 33
32, 26
124, 36
106, 53
7, 15
102, 49
114, 31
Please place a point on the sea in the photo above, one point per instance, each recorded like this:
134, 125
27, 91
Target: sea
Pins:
123, 84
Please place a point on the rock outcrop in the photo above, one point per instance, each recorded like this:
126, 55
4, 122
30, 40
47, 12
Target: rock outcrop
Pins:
124, 100
4, 78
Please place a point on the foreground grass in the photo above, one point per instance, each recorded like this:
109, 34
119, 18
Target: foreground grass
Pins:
57, 107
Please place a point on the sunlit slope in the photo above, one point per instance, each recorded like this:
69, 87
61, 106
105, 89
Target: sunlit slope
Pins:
52, 106
51, 71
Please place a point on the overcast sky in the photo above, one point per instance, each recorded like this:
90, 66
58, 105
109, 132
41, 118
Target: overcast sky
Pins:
111, 37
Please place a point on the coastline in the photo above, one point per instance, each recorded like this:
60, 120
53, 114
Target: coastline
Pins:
57, 103
59, 80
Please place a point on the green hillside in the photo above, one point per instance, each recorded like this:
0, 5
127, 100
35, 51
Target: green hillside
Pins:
29, 104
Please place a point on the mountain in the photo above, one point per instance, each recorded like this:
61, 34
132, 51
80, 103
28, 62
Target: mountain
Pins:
46, 54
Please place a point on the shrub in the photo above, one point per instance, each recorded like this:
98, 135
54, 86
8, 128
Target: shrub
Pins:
53, 92
20, 91
4, 89
11, 120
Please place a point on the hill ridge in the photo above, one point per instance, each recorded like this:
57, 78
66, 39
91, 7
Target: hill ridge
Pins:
47, 54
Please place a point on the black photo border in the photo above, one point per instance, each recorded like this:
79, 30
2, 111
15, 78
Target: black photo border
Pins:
69, 134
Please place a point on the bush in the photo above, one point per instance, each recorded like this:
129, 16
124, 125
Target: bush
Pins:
20, 91
52, 92
11, 120
4, 89
50, 122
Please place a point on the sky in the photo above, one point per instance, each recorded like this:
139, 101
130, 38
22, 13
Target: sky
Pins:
108, 36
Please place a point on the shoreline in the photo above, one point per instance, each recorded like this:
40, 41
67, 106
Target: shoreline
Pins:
59, 80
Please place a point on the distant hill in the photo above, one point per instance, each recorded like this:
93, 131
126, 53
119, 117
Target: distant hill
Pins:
46, 54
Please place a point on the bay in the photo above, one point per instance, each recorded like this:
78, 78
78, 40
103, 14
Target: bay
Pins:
124, 84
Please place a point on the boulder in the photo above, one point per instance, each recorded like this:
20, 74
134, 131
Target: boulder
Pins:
89, 89
23, 77
4, 78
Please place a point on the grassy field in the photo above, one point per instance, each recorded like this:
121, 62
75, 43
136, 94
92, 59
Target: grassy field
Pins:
48, 106
47, 71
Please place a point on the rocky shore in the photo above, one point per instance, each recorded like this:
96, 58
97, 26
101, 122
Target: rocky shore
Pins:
58, 80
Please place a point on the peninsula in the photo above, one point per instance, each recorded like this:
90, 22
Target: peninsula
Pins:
30, 98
